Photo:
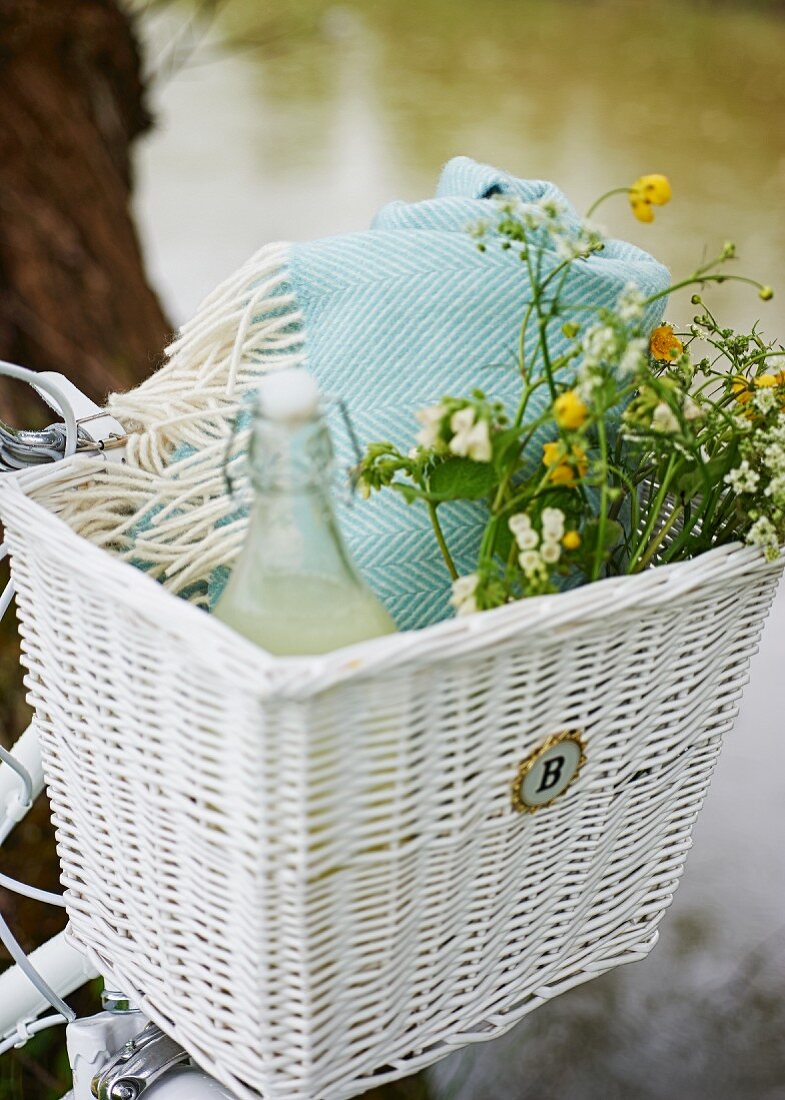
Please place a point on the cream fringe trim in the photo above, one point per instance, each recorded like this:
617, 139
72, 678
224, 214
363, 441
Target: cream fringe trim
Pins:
171, 516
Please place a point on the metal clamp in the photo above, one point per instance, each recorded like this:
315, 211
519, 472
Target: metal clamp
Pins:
138, 1065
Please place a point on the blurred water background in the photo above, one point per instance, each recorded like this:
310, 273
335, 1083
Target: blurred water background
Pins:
300, 120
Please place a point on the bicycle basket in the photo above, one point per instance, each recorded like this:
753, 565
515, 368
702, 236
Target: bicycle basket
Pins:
322, 873
315, 873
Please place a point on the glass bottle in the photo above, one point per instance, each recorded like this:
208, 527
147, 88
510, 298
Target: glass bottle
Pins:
295, 589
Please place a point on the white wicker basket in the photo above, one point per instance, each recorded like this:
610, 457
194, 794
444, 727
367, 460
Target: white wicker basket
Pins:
311, 871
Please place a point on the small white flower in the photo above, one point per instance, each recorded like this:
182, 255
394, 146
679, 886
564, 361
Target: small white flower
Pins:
774, 456
519, 523
764, 534
589, 378
431, 420
525, 535
633, 358
766, 400
743, 479
593, 232
471, 440
664, 420
552, 523
462, 420
551, 207
599, 344
550, 552
570, 248
530, 562
691, 410
741, 423
630, 303
463, 594
480, 448
776, 491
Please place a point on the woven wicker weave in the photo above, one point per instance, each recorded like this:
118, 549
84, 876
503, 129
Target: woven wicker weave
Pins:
310, 871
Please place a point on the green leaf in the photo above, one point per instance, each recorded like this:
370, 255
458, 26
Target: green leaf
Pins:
505, 448
461, 479
409, 492
613, 535
503, 541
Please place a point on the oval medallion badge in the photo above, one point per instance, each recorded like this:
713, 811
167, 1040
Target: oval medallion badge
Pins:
548, 771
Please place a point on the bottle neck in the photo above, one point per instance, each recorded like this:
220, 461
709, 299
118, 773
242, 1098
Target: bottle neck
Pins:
294, 528
291, 458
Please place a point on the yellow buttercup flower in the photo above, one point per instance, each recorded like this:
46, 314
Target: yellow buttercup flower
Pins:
648, 191
743, 389
656, 188
571, 540
569, 410
664, 345
552, 453
562, 467
642, 210
740, 388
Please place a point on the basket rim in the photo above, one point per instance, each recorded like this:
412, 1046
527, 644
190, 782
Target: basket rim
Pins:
249, 667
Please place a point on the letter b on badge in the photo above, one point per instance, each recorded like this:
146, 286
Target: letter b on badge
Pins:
548, 771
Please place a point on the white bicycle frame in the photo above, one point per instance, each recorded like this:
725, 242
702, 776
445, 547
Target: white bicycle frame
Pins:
156, 1068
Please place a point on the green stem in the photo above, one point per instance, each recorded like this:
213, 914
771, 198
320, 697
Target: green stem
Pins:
764, 355
654, 509
698, 279
522, 343
657, 542
543, 324
504, 484
602, 519
437, 529
607, 195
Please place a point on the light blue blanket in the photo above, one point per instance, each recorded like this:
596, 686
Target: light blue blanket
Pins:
400, 315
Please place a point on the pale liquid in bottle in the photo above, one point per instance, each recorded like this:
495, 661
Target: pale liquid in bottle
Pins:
295, 589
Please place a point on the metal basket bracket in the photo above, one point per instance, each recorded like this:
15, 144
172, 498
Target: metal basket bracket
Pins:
138, 1065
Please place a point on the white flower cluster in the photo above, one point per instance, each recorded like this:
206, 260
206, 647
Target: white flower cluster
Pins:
431, 420
570, 239
633, 358
535, 554
774, 463
630, 303
599, 346
743, 479
766, 400
763, 533
768, 446
464, 594
664, 419
471, 436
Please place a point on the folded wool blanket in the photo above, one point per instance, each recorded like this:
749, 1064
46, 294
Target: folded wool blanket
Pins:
390, 320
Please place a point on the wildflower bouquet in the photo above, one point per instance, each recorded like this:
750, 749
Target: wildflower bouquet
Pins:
651, 447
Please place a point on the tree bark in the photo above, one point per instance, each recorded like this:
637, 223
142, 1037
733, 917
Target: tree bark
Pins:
73, 298
73, 292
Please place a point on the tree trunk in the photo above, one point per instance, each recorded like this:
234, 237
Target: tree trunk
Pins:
73, 292
73, 298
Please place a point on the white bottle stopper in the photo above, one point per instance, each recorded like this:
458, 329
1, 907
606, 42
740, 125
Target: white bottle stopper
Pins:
290, 395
